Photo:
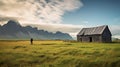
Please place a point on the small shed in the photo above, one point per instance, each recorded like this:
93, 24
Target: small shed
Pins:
95, 34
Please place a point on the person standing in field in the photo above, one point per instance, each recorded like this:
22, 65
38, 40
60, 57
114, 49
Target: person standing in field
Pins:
31, 40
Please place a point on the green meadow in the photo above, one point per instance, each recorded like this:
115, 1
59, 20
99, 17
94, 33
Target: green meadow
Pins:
58, 54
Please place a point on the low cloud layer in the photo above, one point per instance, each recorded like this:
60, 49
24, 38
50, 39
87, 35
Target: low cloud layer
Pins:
2, 18
115, 29
66, 28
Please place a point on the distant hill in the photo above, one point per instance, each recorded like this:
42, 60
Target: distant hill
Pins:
13, 30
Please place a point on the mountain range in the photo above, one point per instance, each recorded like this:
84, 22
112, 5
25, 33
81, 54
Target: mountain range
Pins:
13, 30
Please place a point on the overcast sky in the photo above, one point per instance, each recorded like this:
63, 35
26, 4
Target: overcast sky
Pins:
68, 16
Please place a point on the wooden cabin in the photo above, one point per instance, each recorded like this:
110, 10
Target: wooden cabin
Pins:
95, 34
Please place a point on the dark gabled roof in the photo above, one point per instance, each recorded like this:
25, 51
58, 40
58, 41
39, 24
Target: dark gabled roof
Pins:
93, 30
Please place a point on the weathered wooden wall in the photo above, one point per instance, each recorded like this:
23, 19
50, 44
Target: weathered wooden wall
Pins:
95, 38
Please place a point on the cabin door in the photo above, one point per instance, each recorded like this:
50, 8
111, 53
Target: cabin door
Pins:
90, 39
81, 39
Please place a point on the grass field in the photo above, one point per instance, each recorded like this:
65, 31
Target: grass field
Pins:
59, 54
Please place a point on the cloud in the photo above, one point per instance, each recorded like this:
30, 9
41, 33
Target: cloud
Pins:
115, 30
2, 18
46, 11
116, 36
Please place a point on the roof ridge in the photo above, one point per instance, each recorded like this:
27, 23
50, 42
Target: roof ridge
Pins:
104, 26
